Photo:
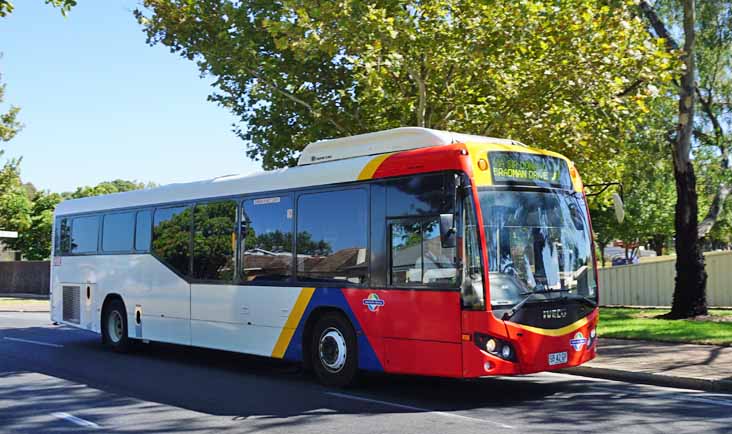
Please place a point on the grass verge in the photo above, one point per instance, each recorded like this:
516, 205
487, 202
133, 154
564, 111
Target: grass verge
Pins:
625, 323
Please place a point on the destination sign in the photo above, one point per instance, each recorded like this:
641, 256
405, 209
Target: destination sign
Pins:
519, 168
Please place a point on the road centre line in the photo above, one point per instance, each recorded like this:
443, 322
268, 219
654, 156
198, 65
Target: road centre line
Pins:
75, 420
28, 341
412, 408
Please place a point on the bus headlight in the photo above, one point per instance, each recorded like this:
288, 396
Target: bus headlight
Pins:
495, 346
593, 333
506, 352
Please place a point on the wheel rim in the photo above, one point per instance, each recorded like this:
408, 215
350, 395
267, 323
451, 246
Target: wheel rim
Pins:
332, 350
115, 326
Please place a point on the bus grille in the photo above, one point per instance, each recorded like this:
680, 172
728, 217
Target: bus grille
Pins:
71, 304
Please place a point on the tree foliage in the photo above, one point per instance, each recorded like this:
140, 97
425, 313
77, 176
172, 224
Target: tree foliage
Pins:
574, 76
30, 212
6, 6
107, 187
9, 124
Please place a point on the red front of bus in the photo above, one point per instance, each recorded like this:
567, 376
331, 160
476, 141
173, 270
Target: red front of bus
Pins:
532, 304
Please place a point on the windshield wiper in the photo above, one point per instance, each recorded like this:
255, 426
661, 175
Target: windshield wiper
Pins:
507, 316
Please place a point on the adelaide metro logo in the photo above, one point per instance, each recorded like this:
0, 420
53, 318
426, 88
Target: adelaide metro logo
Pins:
373, 302
578, 342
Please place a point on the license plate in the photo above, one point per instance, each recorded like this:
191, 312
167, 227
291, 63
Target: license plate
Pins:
557, 358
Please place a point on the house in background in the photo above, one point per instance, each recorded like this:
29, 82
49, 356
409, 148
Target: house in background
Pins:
5, 253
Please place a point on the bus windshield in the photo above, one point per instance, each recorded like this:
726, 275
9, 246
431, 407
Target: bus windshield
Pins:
537, 242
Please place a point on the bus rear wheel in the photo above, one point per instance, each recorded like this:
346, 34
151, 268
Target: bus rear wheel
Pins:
333, 351
114, 326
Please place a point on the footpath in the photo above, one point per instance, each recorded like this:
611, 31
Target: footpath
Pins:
23, 303
687, 366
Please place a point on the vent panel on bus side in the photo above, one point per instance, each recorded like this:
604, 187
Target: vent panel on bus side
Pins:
71, 304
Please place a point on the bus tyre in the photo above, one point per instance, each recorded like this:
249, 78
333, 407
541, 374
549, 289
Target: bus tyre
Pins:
333, 351
114, 327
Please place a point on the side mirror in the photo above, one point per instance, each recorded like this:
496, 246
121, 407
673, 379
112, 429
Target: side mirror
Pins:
448, 238
619, 207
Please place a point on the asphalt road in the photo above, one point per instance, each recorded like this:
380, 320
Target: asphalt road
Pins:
59, 379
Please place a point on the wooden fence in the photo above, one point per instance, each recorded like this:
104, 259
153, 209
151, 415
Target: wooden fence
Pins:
28, 277
652, 283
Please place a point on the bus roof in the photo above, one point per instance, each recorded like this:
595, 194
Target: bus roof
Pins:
382, 142
340, 160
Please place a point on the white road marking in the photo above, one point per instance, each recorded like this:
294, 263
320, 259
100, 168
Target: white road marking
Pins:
678, 397
75, 420
419, 409
28, 341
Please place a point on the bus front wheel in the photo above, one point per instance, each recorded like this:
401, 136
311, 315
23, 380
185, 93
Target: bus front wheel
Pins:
114, 326
334, 351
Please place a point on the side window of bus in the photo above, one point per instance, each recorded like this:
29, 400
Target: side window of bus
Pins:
118, 232
417, 255
84, 234
172, 237
332, 234
143, 225
64, 237
266, 239
214, 240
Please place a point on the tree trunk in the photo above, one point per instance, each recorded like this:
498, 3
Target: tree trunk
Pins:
602, 252
657, 243
691, 279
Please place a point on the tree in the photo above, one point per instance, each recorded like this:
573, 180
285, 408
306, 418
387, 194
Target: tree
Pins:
15, 206
574, 76
34, 210
34, 243
711, 95
6, 6
691, 278
108, 187
9, 124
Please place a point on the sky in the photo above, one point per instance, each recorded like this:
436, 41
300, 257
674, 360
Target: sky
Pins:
98, 103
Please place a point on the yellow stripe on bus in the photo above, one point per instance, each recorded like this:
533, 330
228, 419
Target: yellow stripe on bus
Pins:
292, 321
370, 168
556, 332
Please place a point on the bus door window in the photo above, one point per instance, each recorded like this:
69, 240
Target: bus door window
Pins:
266, 239
417, 255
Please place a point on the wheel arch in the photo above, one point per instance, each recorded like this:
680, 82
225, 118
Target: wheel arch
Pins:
108, 299
309, 325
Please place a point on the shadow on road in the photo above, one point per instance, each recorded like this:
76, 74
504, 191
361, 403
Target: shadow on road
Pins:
276, 393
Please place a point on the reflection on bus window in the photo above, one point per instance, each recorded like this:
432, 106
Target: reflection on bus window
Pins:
84, 234
266, 239
417, 255
332, 236
117, 232
214, 240
142, 231
537, 242
472, 290
172, 237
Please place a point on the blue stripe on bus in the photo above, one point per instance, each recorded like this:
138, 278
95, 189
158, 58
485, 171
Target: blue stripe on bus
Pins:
333, 297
